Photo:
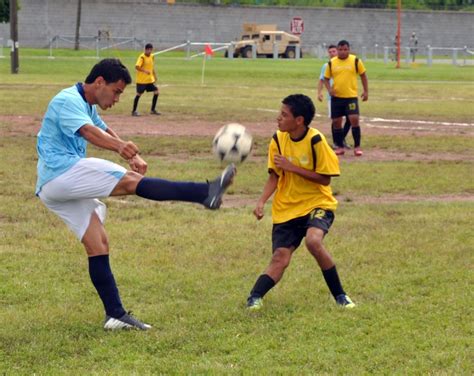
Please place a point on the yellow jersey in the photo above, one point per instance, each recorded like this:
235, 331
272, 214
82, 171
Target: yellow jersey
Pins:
296, 196
344, 75
147, 63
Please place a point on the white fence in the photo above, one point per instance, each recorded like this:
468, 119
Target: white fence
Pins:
97, 43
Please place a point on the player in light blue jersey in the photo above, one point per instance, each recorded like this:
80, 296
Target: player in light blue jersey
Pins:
70, 184
332, 52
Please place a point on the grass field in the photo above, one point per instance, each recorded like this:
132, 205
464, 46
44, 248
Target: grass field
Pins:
402, 239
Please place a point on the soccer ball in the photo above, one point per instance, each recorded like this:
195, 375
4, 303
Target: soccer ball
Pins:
232, 143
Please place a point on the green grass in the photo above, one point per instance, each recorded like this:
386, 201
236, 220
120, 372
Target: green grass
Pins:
441, 92
407, 264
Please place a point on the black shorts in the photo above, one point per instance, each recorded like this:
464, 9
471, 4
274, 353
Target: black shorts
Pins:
141, 88
344, 106
291, 233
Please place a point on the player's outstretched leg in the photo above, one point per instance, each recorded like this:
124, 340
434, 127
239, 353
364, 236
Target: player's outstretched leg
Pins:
208, 194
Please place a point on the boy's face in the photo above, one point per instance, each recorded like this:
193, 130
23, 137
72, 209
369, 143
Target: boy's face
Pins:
343, 51
148, 51
287, 122
332, 52
107, 94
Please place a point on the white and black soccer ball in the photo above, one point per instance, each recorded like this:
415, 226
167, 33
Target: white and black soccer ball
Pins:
232, 143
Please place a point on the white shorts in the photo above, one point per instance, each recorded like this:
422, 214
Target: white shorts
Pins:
73, 195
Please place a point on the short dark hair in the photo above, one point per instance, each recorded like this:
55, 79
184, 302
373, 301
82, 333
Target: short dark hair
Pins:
111, 70
301, 105
343, 43
148, 45
332, 46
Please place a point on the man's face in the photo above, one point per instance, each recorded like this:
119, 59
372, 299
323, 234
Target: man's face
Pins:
343, 52
148, 51
286, 121
107, 94
332, 52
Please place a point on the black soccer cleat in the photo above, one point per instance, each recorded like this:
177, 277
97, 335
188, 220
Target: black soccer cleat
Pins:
218, 186
127, 321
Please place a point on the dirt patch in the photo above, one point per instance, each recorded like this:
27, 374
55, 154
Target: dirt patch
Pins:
169, 125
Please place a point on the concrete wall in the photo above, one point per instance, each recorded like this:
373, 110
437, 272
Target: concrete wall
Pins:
166, 25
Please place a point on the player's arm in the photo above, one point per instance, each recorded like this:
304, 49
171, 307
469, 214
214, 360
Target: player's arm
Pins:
328, 86
320, 90
138, 66
268, 189
365, 85
105, 140
313, 176
136, 163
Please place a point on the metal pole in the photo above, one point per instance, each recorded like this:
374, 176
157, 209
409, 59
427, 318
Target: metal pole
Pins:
399, 27
430, 55
78, 25
15, 64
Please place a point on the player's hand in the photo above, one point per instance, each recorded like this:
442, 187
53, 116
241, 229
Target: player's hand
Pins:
127, 150
258, 211
137, 164
283, 163
364, 96
331, 92
320, 97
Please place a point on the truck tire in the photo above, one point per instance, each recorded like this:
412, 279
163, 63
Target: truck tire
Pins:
290, 53
247, 52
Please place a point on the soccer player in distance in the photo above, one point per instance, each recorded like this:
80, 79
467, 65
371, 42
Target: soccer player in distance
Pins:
69, 184
300, 165
344, 69
146, 78
332, 52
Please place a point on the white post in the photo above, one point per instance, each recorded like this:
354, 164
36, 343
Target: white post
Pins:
275, 50
430, 55
188, 49
254, 51
455, 56
297, 52
385, 54
203, 68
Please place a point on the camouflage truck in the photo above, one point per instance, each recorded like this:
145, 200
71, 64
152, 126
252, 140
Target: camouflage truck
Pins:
264, 37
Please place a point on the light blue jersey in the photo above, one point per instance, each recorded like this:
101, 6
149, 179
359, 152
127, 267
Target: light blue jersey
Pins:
59, 144
321, 77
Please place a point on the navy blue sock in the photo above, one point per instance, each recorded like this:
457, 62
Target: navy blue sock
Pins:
135, 102
104, 282
356, 136
332, 279
153, 103
264, 284
338, 137
162, 190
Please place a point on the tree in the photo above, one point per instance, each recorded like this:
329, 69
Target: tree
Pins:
4, 10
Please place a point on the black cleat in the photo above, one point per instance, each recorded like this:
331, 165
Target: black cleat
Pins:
218, 186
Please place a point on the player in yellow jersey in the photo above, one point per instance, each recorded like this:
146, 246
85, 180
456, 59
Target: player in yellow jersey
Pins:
300, 165
344, 69
146, 78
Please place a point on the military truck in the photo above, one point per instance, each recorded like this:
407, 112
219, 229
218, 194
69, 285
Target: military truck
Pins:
264, 37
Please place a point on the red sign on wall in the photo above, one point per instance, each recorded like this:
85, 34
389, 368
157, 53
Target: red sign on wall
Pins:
297, 26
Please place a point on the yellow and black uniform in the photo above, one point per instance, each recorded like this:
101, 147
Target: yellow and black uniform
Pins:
296, 196
147, 63
146, 81
344, 74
